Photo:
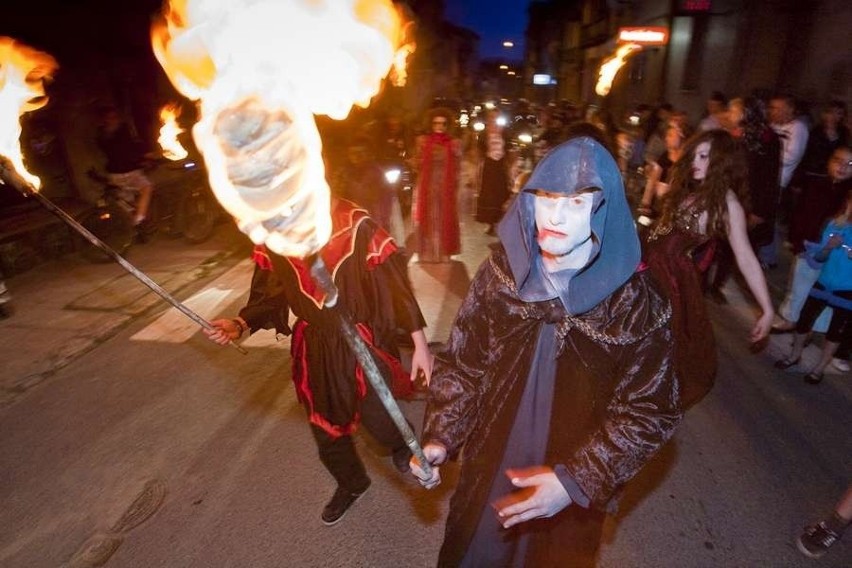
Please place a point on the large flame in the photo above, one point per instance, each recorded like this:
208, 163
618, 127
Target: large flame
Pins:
172, 148
610, 67
261, 69
23, 72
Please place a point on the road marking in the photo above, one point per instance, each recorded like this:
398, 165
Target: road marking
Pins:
174, 327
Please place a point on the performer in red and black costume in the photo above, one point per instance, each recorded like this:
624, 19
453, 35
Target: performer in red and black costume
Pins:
370, 274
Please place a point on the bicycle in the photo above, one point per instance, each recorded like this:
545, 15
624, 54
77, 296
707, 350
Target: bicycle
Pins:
182, 205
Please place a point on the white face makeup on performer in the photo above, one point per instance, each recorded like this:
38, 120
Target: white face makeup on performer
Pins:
564, 228
701, 161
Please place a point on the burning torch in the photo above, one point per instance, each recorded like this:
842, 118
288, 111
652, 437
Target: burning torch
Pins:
260, 70
631, 40
23, 73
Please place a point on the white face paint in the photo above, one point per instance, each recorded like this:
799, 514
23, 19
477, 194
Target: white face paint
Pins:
564, 227
701, 161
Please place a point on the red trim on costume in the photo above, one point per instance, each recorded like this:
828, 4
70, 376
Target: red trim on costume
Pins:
260, 256
304, 394
346, 217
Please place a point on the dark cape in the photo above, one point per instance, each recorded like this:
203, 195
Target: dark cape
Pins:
615, 401
372, 280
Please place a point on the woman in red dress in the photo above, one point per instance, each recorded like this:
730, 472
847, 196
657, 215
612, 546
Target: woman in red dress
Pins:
708, 189
435, 214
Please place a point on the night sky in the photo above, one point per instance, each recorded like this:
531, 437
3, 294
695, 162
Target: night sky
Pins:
494, 21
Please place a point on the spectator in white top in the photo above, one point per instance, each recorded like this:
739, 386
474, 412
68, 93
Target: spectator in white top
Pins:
717, 109
793, 132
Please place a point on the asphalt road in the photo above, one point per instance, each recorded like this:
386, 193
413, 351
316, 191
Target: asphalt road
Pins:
158, 448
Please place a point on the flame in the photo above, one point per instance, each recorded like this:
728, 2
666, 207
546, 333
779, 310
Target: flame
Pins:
261, 69
23, 72
172, 148
611, 66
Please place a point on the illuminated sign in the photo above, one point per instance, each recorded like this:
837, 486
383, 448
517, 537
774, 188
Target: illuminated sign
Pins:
695, 5
644, 36
541, 79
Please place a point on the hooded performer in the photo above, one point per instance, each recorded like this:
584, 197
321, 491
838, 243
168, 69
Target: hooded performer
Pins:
557, 379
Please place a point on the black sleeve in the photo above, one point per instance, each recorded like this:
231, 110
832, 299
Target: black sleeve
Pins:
267, 306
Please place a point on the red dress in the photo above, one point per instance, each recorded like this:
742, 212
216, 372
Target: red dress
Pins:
670, 255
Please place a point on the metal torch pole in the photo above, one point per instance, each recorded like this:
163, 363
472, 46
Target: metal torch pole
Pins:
362, 353
11, 178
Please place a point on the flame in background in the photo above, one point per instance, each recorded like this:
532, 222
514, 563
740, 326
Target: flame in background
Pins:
23, 72
261, 69
610, 67
172, 148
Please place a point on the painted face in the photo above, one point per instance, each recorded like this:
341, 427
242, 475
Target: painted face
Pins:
439, 124
701, 161
563, 222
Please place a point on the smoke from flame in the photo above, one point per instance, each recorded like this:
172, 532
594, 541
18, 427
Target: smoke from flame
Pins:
172, 148
610, 67
261, 69
23, 72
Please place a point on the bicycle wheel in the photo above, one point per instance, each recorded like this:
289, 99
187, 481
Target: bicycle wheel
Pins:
112, 226
198, 216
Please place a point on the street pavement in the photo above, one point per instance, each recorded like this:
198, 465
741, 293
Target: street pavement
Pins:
764, 454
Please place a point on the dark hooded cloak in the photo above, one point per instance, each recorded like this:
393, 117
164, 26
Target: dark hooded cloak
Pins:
594, 344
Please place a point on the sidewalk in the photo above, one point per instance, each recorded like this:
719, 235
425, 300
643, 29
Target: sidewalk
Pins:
62, 309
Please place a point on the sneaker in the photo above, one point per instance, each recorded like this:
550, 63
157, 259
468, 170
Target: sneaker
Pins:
401, 459
815, 541
340, 502
841, 365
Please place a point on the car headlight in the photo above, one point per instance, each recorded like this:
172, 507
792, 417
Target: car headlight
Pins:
392, 176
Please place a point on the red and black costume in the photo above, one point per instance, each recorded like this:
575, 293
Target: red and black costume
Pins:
374, 289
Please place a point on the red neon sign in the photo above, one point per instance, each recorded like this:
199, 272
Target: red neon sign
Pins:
653, 35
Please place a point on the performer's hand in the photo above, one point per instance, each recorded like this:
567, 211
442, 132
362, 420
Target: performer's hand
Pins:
226, 330
422, 359
542, 497
762, 327
436, 454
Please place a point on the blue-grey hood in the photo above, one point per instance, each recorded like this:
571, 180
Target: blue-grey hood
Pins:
577, 164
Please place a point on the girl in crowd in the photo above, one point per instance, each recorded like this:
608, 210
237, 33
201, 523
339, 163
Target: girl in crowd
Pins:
708, 188
832, 288
660, 169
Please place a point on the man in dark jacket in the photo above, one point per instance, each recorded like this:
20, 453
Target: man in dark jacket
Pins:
557, 380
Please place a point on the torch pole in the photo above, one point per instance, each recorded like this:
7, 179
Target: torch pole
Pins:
11, 178
321, 276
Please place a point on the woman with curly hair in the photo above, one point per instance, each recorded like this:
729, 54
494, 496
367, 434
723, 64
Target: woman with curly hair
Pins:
708, 199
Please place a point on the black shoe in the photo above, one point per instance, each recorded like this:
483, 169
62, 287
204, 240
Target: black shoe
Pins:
340, 502
400, 458
786, 363
815, 541
813, 378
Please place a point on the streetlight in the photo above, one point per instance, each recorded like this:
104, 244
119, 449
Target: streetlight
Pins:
508, 43
504, 67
